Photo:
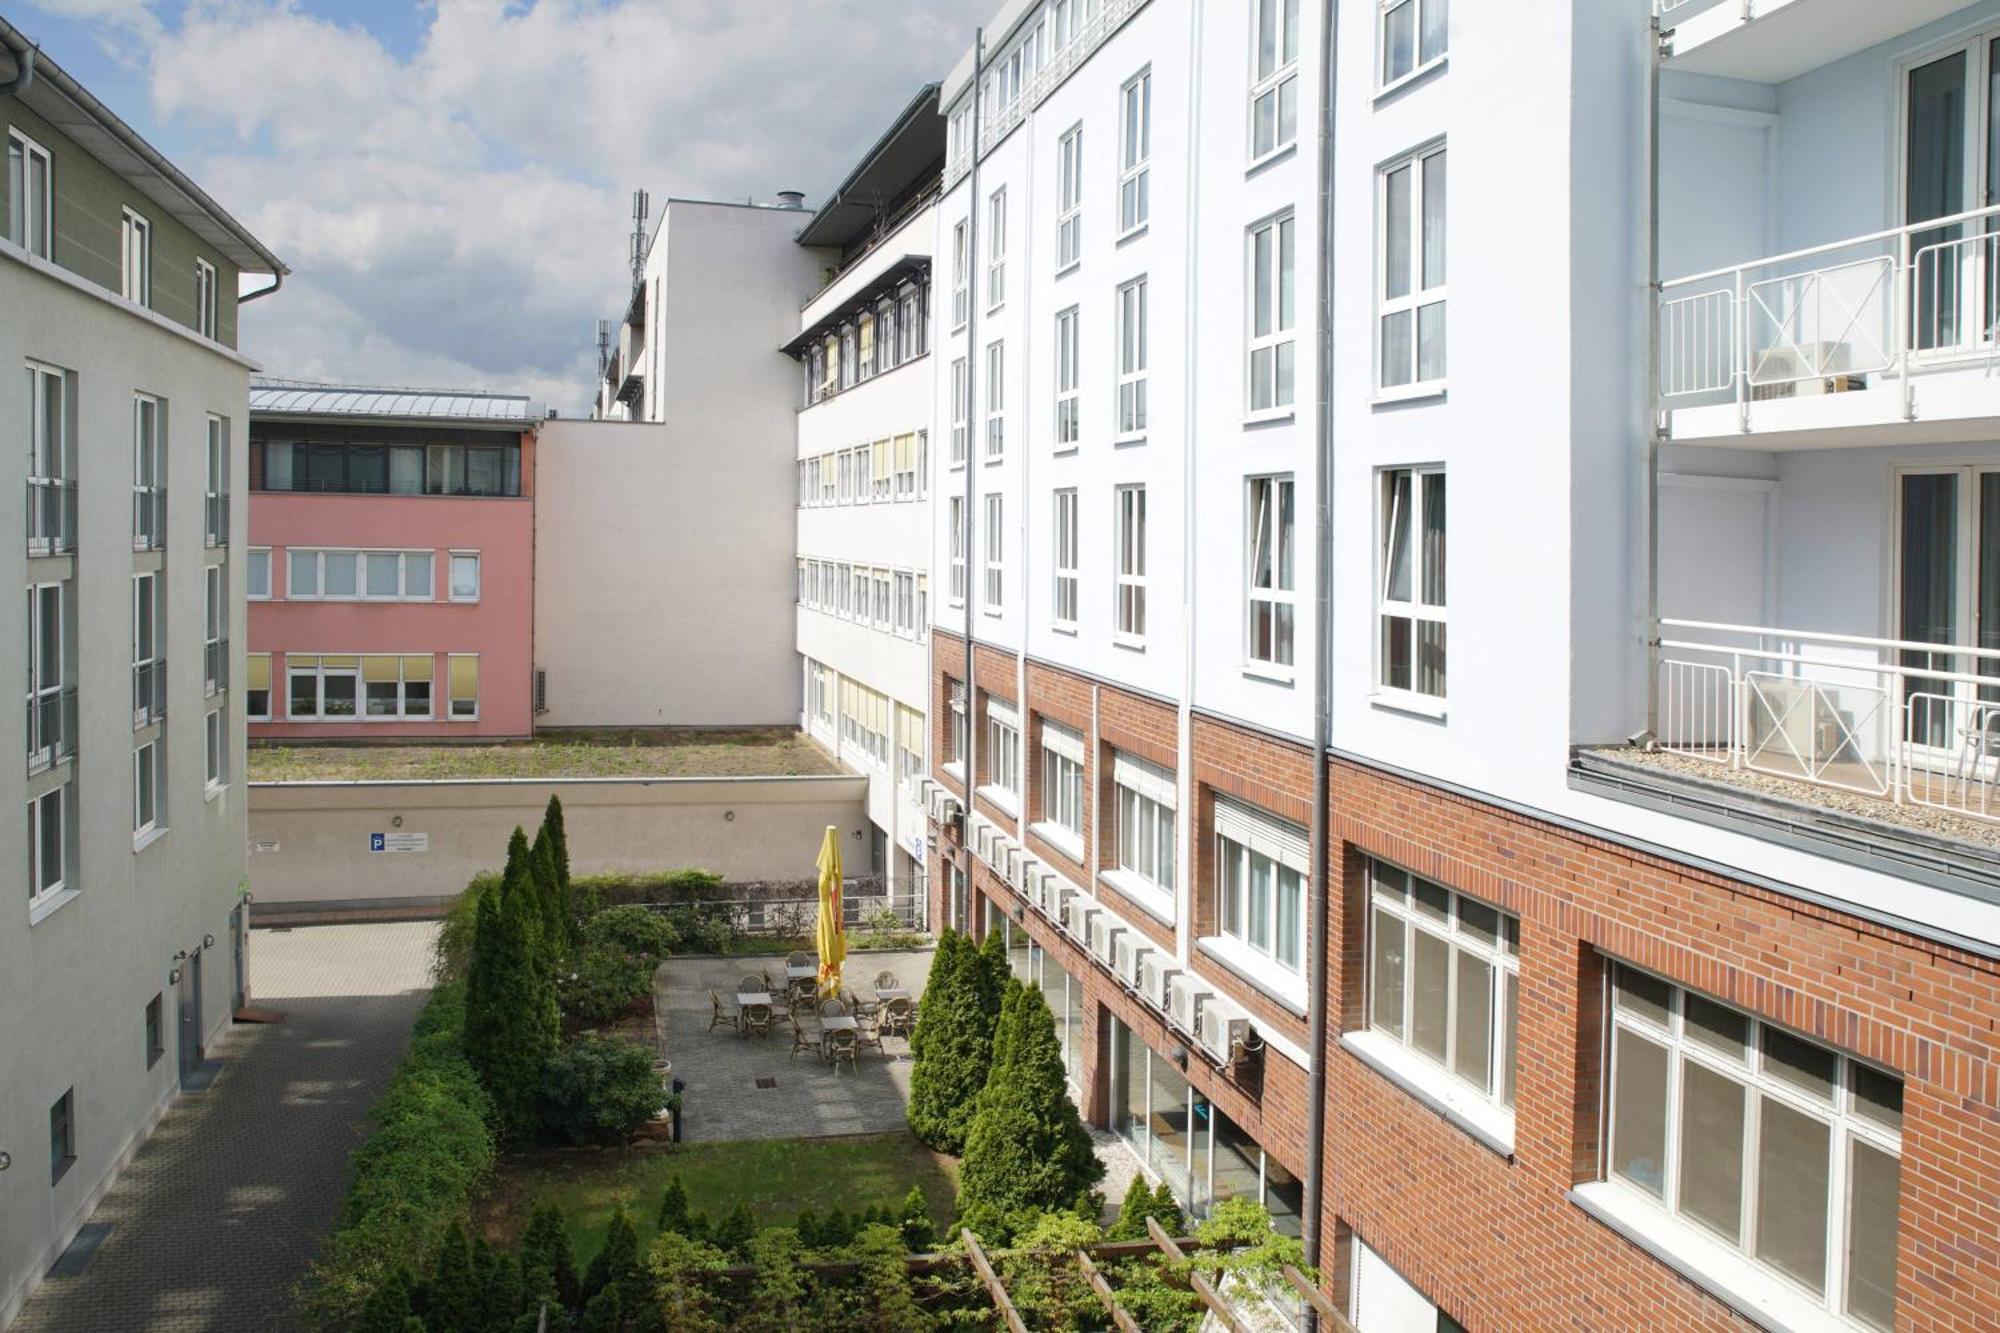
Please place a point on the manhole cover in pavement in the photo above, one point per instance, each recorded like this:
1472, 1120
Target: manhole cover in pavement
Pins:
767, 1083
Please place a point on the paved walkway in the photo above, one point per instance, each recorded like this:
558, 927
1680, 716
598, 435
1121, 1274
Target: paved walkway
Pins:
216, 1218
808, 1098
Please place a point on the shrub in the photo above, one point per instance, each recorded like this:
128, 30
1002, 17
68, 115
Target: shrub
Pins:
636, 930
599, 1090
511, 1021
778, 1291
919, 1232
684, 1281
953, 1041
548, 1269
1047, 1285
1141, 1203
602, 982
453, 951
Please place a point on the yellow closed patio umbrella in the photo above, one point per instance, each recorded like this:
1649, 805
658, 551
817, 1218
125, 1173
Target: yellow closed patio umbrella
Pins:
832, 931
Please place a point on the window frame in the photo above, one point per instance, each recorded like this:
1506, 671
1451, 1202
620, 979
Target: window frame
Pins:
149, 472
204, 298
1129, 586
215, 484
149, 632
956, 553
1420, 64
148, 774
41, 852
452, 699
1279, 339
452, 559
1271, 85
1002, 755
1062, 792
214, 630
250, 714
1069, 199
215, 749
1145, 834
996, 250
1418, 296
136, 250
1066, 593
1266, 498
45, 691
1069, 381
993, 588
29, 151
1244, 836
1135, 153
960, 412
961, 292
996, 400
1414, 610
1133, 359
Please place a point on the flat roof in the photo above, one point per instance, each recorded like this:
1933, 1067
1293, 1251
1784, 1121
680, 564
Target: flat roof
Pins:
309, 398
911, 148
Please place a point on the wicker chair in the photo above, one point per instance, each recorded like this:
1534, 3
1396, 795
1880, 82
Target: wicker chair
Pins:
801, 1039
842, 1044
899, 1016
750, 983
718, 1017
757, 1020
868, 1030
798, 958
832, 1008
886, 981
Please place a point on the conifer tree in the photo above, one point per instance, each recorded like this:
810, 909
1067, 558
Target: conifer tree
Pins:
552, 903
452, 1303
497, 1280
778, 1292
944, 965
960, 1011
919, 1232
887, 1302
388, 1307
511, 1025
615, 1260
548, 1269
735, 1232
674, 1207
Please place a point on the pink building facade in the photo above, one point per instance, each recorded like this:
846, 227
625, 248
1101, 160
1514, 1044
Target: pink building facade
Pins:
391, 565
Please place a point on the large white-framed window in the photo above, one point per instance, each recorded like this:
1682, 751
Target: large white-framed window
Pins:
149, 472
906, 603
148, 788
257, 574
960, 402
322, 687
961, 264
51, 705
955, 520
149, 650
1779, 1152
462, 686
397, 685
864, 719
1131, 584
257, 687
908, 466
1274, 77
882, 470
1069, 426
1444, 980
1415, 36
1003, 755
1410, 352
204, 298
1069, 198
996, 400
314, 574
1145, 806
909, 745
1135, 152
996, 249
1271, 359
1061, 823
31, 209
215, 748
961, 728
464, 576
137, 248
996, 549
1272, 579
51, 509
215, 631
1261, 868
48, 845
1067, 595
1132, 355
1410, 592
215, 485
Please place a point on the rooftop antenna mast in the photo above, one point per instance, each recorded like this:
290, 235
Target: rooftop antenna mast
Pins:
642, 207
603, 346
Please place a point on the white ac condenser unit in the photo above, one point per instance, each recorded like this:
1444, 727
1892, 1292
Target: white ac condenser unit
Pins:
1157, 975
1185, 998
1128, 958
1105, 932
1221, 1029
1081, 911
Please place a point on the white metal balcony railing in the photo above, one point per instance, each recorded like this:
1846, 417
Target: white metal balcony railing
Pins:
1893, 303
215, 668
51, 515
51, 728
215, 519
1910, 722
149, 692
149, 518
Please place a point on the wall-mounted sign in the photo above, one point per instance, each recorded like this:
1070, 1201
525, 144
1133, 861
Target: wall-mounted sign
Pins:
399, 842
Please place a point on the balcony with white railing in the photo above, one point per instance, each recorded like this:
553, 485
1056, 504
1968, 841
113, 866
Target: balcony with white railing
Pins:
51, 516
51, 727
1887, 338
149, 518
1769, 41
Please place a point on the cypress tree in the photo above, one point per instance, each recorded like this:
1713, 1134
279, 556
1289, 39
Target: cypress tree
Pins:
615, 1260
674, 1207
888, 1304
388, 1308
513, 1027
453, 1304
497, 1279
778, 1293
1026, 1149
1167, 1210
944, 964
736, 1231
551, 901
954, 1054
604, 1313
919, 1232
548, 1270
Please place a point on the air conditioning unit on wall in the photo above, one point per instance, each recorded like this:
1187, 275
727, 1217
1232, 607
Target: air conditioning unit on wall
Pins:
1157, 975
1221, 1029
1129, 956
1056, 897
1024, 872
1185, 998
1081, 912
1105, 932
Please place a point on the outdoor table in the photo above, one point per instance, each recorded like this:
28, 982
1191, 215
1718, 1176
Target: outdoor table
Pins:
744, 1001
801, 971
835, 1024
888, 993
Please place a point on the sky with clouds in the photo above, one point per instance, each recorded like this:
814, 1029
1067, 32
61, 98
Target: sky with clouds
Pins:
450, 181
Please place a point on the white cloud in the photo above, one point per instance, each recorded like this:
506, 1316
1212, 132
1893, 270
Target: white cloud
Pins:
457, 215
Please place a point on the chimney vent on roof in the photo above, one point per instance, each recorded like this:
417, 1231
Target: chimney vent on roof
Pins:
795, 200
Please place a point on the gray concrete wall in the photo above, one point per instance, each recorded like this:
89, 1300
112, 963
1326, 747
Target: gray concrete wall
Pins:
310, 841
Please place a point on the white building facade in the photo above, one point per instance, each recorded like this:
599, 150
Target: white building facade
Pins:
864, 478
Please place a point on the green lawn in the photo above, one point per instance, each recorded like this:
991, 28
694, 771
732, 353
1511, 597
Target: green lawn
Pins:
770, 753
775, 1177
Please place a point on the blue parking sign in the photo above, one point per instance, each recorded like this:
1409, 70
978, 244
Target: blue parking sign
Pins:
375, 842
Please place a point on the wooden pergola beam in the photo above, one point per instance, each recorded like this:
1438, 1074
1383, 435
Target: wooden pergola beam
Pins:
994, 1287
1309, 1291
1201, 1285
1104, 1293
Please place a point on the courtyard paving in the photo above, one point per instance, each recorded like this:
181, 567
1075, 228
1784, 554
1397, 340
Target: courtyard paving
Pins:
218, 1214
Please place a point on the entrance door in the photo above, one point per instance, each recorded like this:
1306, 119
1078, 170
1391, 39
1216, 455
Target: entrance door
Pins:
191, 1025
1938, 170
1948, 590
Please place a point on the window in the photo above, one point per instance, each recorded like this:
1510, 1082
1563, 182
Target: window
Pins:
996, 402
51, 706
156, 1031
1776, 1147
864, 340
62, 1135
257, 574
819, 693
1412, 299
464, 576
1274, 89
363, 467
1066, 597
879, 585
257, 687
996, 249
1260, 877
322, 688
907, 468
30, 196
960, 728
864, 718
215, 630
339, 576
923, 605
1135, 151
1443, 979
909, 745
1131, 562
397, 685
1146, 801
1272, 584
138, 251
204, 298
1414, 37
829, 486
149, 473
458, 469
464, 684
1003, 753
1069, 198
215, 748
48, 845
1068, 426
961, 304
149, 650
51, 460
906, 602
1062, 788
1411, 596
1271, 315
959, 404
995, 547
215, 491
148, 774
1132, 360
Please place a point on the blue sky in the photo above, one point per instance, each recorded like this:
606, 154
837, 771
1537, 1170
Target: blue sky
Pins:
450, 181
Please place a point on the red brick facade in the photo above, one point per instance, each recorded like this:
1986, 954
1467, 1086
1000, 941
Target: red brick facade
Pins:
1495, 1240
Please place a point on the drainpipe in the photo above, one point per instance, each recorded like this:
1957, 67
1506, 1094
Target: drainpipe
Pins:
971, 436
1318, 868
24, 76
1649, 516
